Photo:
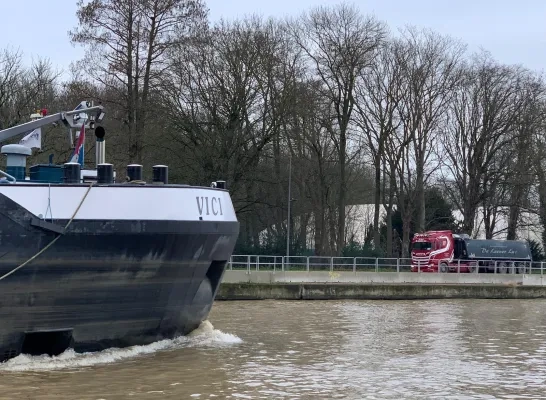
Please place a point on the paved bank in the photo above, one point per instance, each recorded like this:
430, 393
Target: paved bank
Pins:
376, 291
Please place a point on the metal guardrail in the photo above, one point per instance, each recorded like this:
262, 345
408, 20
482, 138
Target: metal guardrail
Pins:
361, 264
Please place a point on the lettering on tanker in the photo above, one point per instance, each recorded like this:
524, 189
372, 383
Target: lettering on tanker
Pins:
208, 205
493, 250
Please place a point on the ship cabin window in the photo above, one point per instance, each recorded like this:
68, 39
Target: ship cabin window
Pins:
422, 246
460, 248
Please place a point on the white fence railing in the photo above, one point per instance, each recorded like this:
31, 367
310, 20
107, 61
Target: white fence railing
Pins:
368, 264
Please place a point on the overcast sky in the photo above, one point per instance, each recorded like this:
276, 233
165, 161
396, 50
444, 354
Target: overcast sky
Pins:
513, 31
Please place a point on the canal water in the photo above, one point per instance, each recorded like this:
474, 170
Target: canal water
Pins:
436, 349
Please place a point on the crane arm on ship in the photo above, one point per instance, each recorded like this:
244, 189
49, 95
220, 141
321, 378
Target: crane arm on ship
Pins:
72, 119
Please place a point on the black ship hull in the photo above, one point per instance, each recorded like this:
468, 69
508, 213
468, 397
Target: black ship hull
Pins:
105, 283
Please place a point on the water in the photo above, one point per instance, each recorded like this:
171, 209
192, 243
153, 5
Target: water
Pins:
456, 349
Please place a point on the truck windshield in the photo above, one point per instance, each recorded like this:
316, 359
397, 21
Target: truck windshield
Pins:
422, 246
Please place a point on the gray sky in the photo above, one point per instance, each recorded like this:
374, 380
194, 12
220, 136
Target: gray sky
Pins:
513, 31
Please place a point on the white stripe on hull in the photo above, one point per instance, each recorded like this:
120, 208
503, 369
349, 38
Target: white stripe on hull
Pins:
123, 202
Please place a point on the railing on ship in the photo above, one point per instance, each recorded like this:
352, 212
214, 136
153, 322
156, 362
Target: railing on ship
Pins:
362, 264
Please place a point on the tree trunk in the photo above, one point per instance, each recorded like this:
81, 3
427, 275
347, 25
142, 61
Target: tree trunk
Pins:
302, 237
469, 215
332, 242
406, 230
420, 189
513, 217
320, 212
542, 212
487, 224
377, 201
390, 205
342, 195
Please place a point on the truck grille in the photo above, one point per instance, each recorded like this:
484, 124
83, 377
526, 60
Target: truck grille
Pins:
421, 261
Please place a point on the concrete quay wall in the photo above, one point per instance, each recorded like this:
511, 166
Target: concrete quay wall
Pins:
241, 285
244, 276
340, 291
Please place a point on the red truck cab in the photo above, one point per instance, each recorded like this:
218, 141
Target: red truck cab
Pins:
428, 247
442, 250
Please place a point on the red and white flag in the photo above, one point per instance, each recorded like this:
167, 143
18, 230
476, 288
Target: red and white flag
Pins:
79, 144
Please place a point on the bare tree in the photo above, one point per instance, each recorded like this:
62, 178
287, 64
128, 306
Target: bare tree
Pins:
539, 171
481, 123
379, 98
340, 44
433, 72
126, 42
24, 89
519, 177
229, 90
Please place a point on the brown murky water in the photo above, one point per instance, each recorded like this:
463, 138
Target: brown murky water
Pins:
459, 349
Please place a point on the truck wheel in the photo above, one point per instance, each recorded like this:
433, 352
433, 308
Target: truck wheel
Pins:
443, 267
521, 267
471, 268
503, 268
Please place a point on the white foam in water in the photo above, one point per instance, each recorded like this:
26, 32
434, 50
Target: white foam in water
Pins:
204, 335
